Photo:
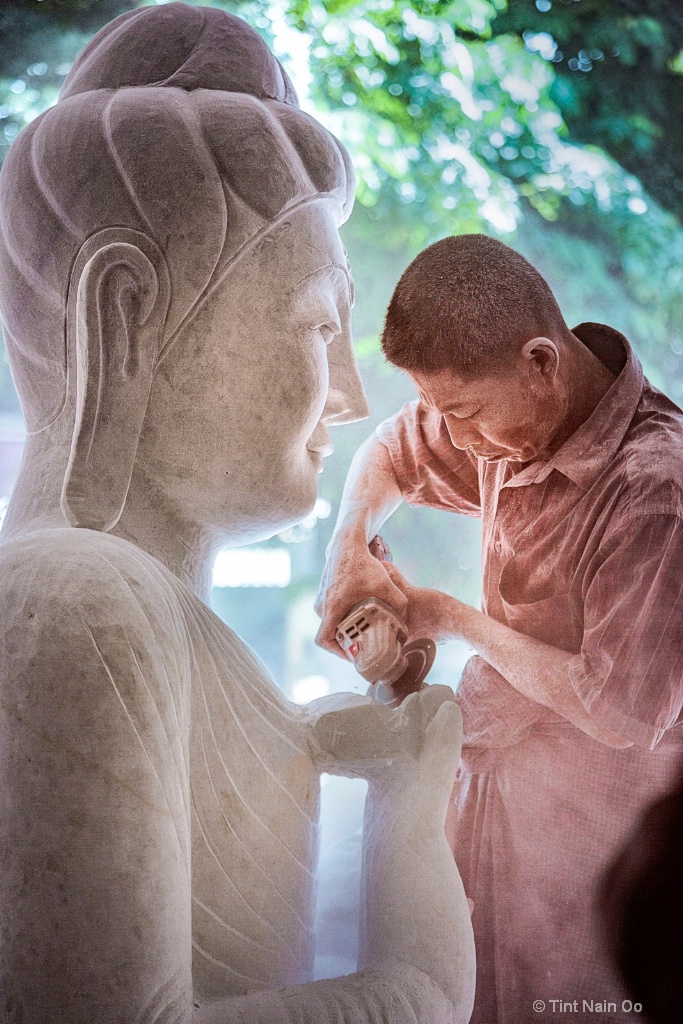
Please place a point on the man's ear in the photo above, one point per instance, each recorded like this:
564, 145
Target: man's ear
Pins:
543, 354
117, 308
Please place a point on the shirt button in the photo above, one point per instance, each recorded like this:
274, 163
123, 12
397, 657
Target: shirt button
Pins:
498, 547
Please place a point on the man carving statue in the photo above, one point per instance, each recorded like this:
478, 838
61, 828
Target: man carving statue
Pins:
176, 302
572, 704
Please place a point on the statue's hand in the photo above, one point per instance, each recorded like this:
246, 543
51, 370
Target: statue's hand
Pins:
351, 574
416, 744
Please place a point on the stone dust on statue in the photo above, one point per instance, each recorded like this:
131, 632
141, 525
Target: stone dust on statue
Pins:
176, 305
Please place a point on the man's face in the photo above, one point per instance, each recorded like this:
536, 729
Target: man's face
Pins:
510, 415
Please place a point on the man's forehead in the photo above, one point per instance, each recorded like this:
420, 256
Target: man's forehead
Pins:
447, 388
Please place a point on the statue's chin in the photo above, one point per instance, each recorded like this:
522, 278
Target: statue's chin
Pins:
266, 522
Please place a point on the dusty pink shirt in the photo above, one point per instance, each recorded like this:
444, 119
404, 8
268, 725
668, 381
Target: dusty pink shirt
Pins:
584, 552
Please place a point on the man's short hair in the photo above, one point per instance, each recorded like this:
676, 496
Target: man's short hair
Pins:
467, 303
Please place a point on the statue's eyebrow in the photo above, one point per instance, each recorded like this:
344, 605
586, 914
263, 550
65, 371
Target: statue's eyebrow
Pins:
329, 266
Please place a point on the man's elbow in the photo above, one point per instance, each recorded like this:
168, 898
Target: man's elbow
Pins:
606, 736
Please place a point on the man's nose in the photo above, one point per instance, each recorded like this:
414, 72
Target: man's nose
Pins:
346, 398
461, 432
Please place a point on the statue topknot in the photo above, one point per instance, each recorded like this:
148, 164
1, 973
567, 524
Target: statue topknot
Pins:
183, 47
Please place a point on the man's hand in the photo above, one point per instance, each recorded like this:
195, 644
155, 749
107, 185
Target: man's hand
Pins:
352, 574
429, 613
371, 494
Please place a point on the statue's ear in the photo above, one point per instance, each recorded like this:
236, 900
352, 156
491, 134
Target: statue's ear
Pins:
117, 308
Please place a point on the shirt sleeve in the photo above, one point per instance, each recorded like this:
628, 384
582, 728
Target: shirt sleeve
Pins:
494, 714
629, 672
430, 470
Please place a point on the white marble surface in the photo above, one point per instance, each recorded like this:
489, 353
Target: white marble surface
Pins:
176, 303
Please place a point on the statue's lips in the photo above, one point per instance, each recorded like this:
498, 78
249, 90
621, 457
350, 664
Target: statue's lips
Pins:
323, 450
317, 456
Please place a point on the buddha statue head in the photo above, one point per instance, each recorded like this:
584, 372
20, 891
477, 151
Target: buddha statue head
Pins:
174, 292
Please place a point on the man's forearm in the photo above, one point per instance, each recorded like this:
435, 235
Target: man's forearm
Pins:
536, 669
371, 492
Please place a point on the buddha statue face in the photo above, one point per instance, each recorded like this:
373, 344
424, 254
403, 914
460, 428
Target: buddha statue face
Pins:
236, 428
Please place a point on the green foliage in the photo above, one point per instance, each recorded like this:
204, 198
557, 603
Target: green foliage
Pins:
618, 80
451, 112
465, 117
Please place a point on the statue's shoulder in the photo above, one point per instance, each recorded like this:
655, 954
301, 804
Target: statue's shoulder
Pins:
71, 574
94, 659
81, 613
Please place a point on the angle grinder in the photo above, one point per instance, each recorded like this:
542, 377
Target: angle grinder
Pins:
374, 638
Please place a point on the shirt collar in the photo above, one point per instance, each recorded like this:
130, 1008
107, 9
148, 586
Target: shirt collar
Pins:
594, 444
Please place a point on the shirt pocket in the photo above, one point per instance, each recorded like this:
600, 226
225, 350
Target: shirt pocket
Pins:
540, 605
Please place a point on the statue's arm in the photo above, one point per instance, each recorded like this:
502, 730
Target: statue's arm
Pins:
397, 992
417, 951
94, 830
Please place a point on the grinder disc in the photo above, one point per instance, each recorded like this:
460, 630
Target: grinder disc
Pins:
420, 656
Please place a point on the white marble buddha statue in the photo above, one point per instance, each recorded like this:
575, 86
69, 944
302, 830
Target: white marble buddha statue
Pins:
176, 304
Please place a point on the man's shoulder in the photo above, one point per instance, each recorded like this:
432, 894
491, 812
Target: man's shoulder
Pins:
650, 459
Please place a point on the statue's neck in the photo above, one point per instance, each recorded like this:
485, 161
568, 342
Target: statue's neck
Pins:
186, 549
35, 501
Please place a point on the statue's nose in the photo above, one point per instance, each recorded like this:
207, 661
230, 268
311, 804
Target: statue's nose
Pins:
346, 398
346, 406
